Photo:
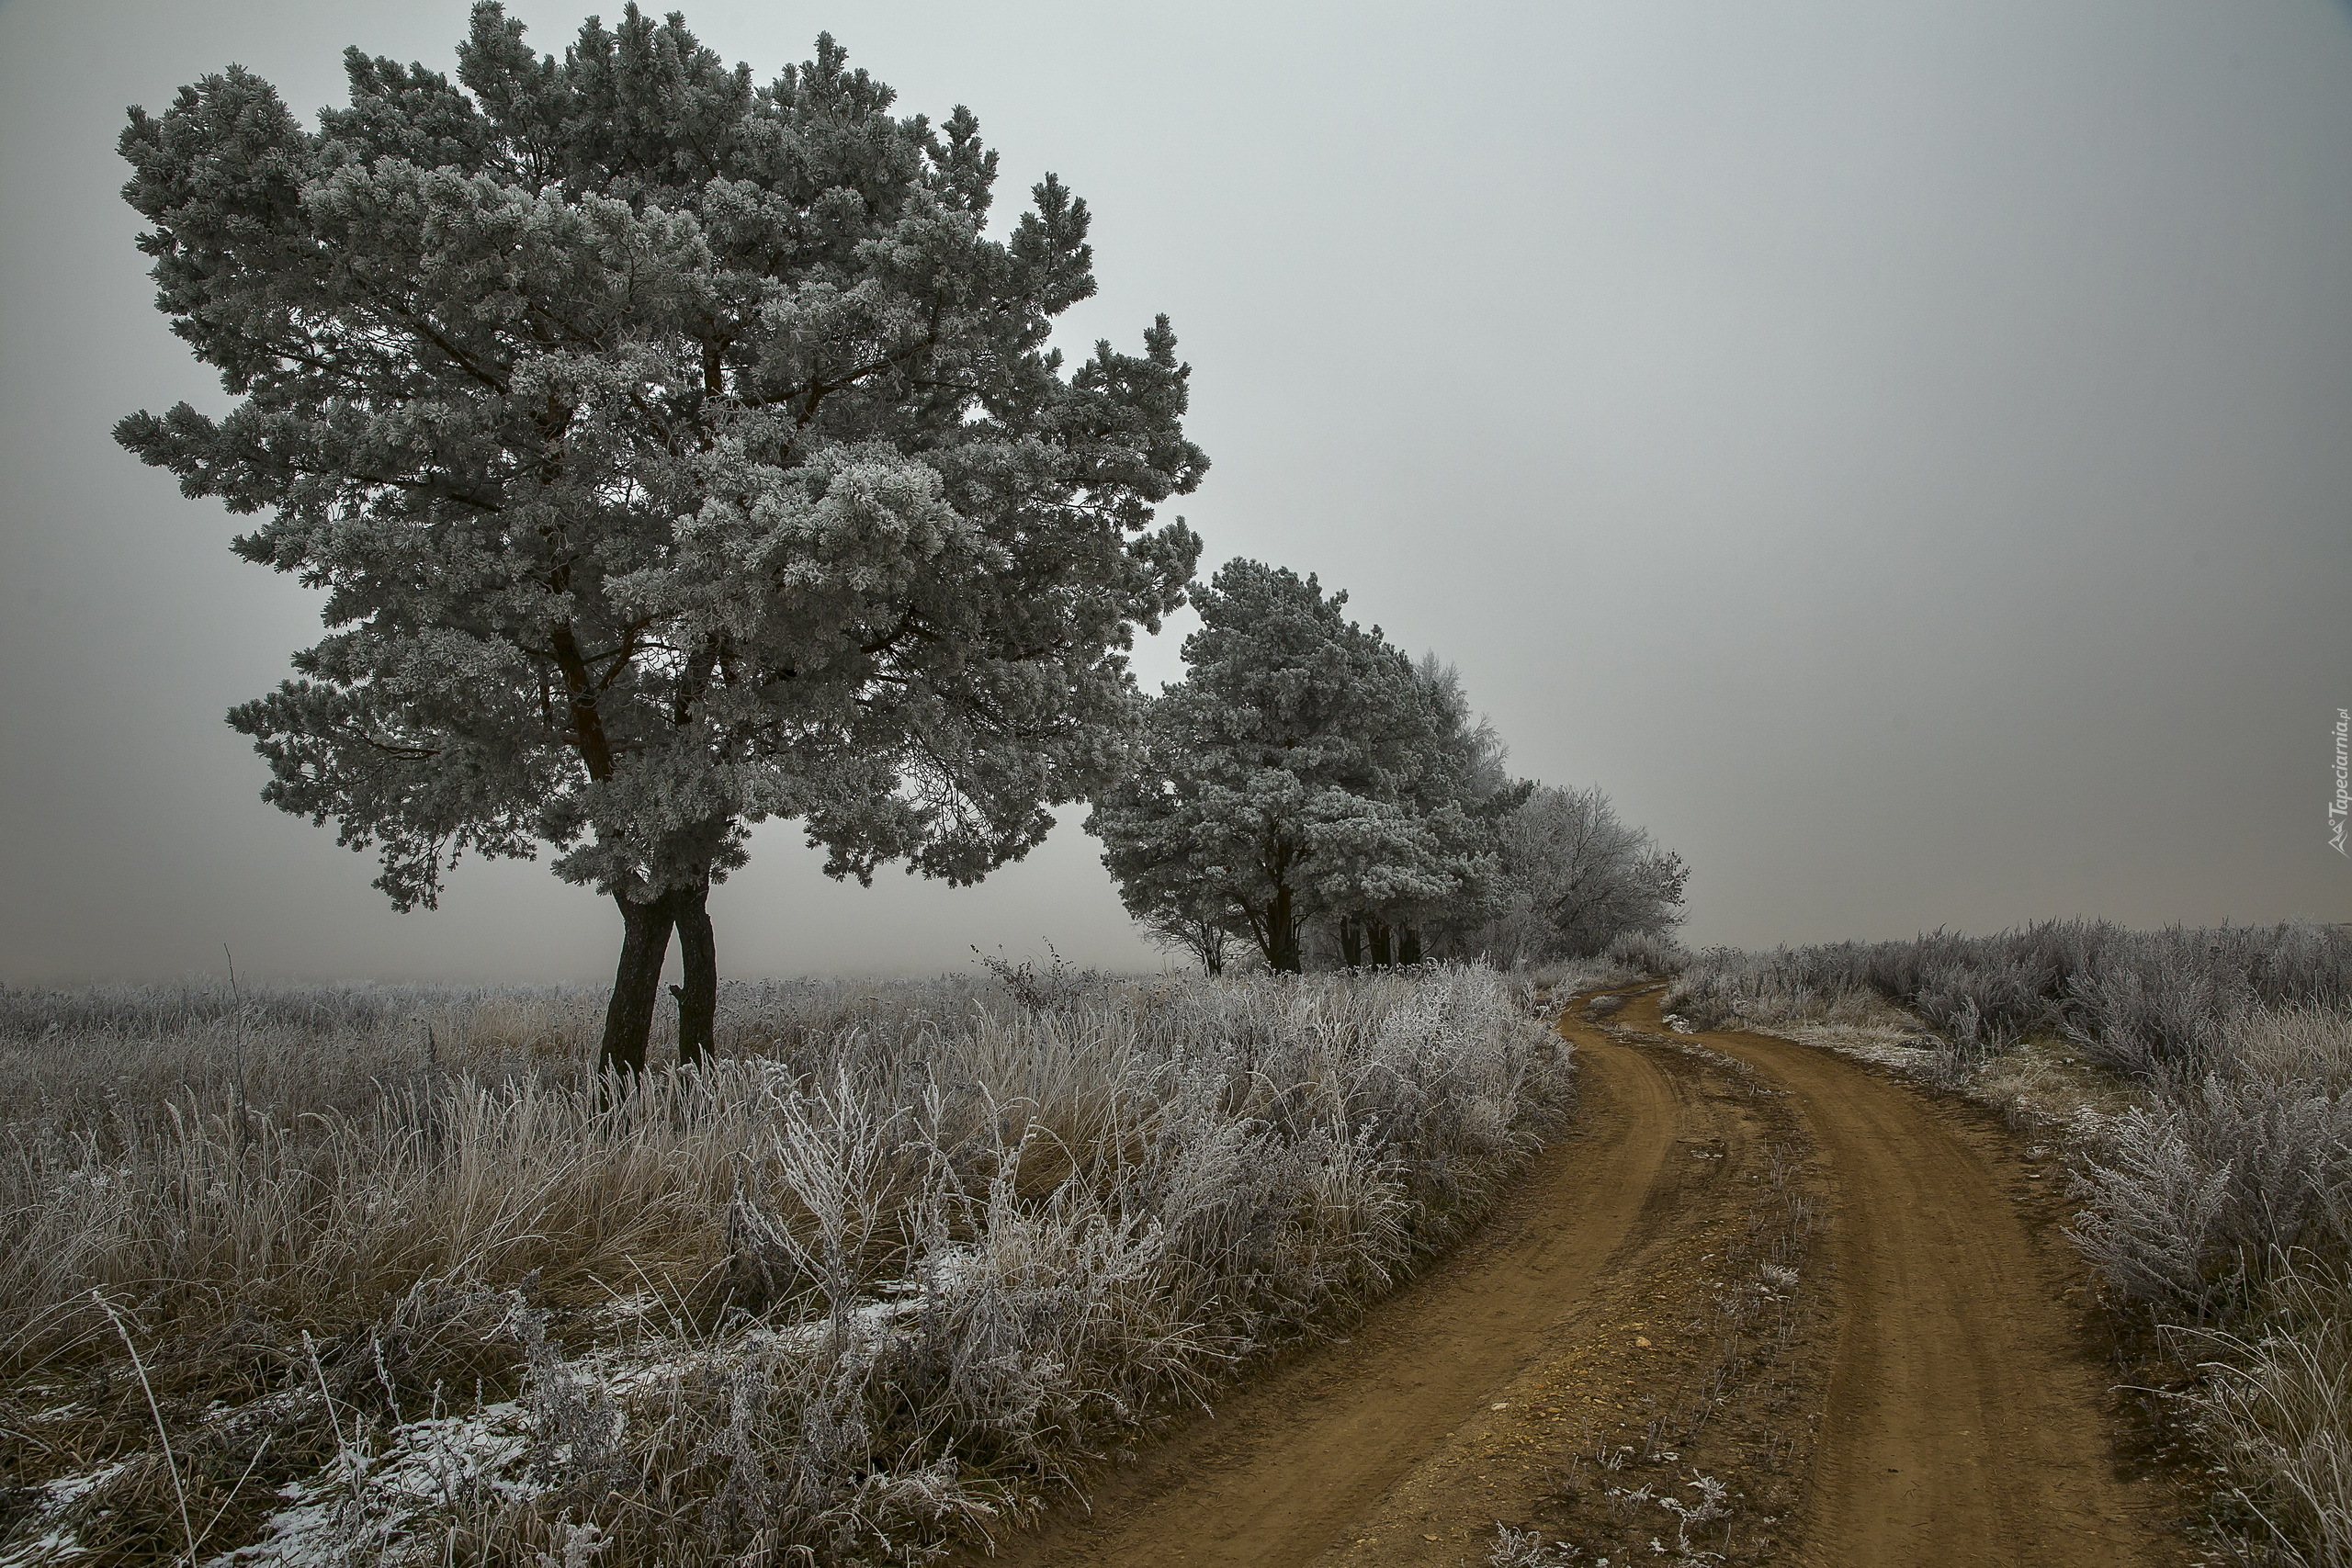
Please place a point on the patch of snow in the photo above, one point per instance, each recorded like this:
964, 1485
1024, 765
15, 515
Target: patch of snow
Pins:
426, 1467
385, 1504
1904, 1050
56, 1542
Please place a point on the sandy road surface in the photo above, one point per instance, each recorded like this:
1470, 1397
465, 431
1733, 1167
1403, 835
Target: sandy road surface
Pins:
1957, 1419
1964, 1423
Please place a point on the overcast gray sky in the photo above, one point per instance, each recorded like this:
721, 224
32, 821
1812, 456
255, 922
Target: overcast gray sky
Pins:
1903, 452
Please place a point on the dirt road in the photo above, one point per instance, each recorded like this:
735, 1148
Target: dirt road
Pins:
1757, 1265
1963, 1423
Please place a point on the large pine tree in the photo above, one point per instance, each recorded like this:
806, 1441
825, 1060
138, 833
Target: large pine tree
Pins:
675, 452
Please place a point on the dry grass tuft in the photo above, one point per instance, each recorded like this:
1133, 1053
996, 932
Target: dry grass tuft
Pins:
2276, 1408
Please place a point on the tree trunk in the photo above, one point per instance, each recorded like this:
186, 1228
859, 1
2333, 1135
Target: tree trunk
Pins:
1382, 956
1351, 942
698, 995
1282, 933
1408, 945
637, 983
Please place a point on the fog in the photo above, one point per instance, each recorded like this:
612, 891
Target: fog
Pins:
1903, 453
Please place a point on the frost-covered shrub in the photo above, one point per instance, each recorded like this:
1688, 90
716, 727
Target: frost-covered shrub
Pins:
2147, 1003
2192, 1196
1648, 953
1563, 977
878, 1272
1723, 988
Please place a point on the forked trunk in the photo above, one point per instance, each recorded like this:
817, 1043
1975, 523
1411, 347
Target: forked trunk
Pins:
1351, 944
1408, 945
698, 994
636, 983
1281, 934
1382, 956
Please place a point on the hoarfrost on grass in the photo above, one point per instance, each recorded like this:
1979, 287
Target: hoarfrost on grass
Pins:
871, 1280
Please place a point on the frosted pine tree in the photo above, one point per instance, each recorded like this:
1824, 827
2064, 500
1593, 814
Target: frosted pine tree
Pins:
1292, 773
675, 452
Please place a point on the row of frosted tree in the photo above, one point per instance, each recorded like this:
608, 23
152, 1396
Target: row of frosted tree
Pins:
675, 452
1309, 795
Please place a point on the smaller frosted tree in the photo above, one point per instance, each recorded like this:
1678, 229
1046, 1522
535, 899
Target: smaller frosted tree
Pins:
1207, 938
1287, 775
1453, 803
1475, 752
1577, 877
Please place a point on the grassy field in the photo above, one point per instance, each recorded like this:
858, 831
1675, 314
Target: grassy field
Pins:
381, 1274
2202, 1081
